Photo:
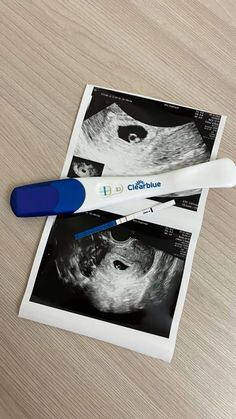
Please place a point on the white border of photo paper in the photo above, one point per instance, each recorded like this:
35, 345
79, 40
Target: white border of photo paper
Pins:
174, 217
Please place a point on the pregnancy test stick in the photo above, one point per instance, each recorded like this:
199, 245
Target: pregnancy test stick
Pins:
70, 196
123, 220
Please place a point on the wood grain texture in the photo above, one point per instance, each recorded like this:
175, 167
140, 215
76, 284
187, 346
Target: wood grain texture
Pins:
182, 51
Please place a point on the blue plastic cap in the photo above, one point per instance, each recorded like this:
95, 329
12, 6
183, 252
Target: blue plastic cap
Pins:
62, 196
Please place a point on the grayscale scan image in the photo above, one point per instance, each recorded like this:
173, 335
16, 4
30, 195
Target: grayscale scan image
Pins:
130, 135
140, 148
129, 275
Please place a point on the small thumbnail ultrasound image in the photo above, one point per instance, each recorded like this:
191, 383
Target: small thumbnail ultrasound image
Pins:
84, 168
140, 136
129, 275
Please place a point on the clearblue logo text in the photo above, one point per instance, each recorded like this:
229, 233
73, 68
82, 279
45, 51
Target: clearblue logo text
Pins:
140, 184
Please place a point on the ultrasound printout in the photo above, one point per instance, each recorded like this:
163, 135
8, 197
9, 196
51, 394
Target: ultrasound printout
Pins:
126, 285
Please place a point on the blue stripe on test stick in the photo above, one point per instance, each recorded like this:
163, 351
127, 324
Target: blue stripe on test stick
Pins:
93, 230
123, 220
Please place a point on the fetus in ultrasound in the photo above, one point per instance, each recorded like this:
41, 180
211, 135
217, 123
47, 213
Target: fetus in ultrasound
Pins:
132, 133
84, 168
118, 276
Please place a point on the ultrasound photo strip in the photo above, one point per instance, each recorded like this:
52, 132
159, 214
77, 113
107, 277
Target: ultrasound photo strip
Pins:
127, 285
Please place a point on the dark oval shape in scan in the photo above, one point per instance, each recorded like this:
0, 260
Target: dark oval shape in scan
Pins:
120, 234
120, 265
132, 133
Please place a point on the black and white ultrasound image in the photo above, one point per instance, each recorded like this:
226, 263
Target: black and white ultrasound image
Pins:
129, 275
131, 135
84, 168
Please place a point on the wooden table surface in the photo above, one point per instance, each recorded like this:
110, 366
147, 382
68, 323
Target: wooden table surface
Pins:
181, 51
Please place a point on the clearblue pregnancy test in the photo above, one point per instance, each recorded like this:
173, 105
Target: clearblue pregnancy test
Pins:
68, 196
123, 220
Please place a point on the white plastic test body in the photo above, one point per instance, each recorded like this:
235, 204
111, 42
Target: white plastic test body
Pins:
66, 196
